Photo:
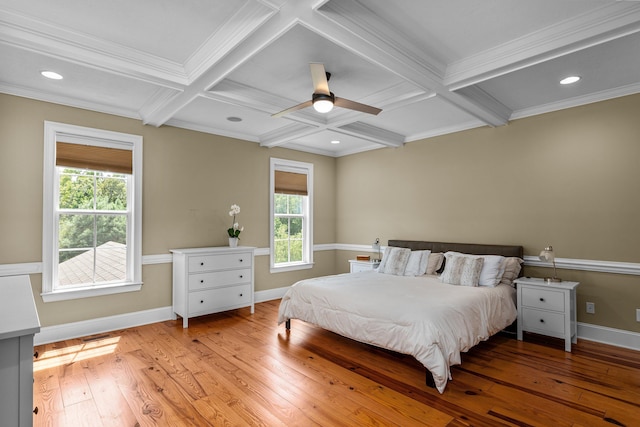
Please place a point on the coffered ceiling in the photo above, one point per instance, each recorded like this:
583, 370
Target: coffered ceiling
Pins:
432, 66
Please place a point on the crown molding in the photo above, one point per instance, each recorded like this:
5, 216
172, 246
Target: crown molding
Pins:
66, 100
594, 27
45, 38
577, 101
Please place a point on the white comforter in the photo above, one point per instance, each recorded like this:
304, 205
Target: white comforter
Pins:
420, 316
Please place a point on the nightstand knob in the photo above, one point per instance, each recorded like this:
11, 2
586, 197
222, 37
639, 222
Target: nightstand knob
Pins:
541, 320
202, 263
201, 301
35, 355
541, 299
241, 276
201, 281
35, 411
240, 294
241, 259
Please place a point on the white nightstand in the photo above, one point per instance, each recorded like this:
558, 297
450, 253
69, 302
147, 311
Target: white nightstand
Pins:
547, 309
356, 266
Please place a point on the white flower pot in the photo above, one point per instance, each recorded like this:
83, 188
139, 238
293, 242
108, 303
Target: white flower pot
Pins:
233, 242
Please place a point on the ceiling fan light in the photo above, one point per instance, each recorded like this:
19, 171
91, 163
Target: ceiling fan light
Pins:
323, 103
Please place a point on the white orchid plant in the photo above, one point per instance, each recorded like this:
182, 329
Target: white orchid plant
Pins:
235, 229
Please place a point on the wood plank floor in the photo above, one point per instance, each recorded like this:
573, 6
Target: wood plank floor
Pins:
238, 369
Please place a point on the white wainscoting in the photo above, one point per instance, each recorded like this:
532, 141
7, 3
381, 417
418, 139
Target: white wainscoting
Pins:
48, 334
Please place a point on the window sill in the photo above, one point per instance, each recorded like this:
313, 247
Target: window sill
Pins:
89, 292
291, 267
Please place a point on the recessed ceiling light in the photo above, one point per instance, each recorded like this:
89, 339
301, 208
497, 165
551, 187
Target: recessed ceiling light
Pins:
234, 119
569, 80
335, 141
51, 75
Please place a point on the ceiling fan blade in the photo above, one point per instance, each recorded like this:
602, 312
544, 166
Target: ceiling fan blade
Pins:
319, 78
294, 108
353, 105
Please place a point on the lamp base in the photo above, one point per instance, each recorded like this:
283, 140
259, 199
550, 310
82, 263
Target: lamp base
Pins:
552, 279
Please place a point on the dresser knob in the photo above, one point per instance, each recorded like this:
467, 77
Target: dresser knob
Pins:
202, 263
541, 299
35, 355
201, 281
35, 411
240, 294
541, 320
201, 301
241, 276
241, 259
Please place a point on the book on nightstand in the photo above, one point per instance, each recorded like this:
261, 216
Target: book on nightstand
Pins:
363, 258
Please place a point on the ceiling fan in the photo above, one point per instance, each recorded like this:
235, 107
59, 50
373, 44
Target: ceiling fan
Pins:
324, 100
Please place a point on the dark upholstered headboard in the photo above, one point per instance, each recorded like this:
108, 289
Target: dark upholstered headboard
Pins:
466, 248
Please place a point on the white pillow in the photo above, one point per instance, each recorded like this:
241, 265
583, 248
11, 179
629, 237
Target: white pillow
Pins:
417, 263
462, 270
492, 267
394, 261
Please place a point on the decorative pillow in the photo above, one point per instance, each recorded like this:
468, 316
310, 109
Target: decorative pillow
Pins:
462, 270
492, 267
417, 263
435, 262
511, 267
394, 261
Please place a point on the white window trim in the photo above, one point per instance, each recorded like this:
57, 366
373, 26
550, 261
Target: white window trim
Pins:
296, 167
71, 133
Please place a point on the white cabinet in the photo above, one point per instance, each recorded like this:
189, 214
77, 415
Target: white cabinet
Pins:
209, 280
547, 309
356, 266
18, 324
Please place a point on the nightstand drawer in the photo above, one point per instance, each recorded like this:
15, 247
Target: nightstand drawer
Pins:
544, 322
546, 299
217, 279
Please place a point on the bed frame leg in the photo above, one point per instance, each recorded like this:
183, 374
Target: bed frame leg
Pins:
287, 324
429, 379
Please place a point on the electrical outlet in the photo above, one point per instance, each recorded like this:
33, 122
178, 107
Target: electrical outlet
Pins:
637, 314
591, 308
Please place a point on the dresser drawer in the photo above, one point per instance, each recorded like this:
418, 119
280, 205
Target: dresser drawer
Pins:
217, 279
544, 322
218, 299
547, 299
217, 262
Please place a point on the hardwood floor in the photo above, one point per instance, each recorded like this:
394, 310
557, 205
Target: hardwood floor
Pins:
243, 370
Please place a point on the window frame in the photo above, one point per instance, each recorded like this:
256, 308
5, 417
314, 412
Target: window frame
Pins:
307, 243
53, 132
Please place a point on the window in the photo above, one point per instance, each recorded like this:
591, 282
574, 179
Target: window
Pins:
291, 215
92, 212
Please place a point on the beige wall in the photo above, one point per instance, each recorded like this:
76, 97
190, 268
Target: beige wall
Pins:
190, 179
569, 178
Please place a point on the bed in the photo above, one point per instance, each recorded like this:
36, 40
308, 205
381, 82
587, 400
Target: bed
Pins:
423, 315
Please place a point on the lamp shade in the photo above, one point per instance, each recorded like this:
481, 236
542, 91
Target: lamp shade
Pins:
547, 254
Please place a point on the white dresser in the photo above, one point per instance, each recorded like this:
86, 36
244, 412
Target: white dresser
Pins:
209, 280
547, 309
18, 324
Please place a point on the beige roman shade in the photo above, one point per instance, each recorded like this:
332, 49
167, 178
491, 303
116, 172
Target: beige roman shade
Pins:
290, 183
93, 157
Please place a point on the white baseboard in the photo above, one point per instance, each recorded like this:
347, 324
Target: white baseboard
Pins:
605, 335
67, 331
270, 294
84, 328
